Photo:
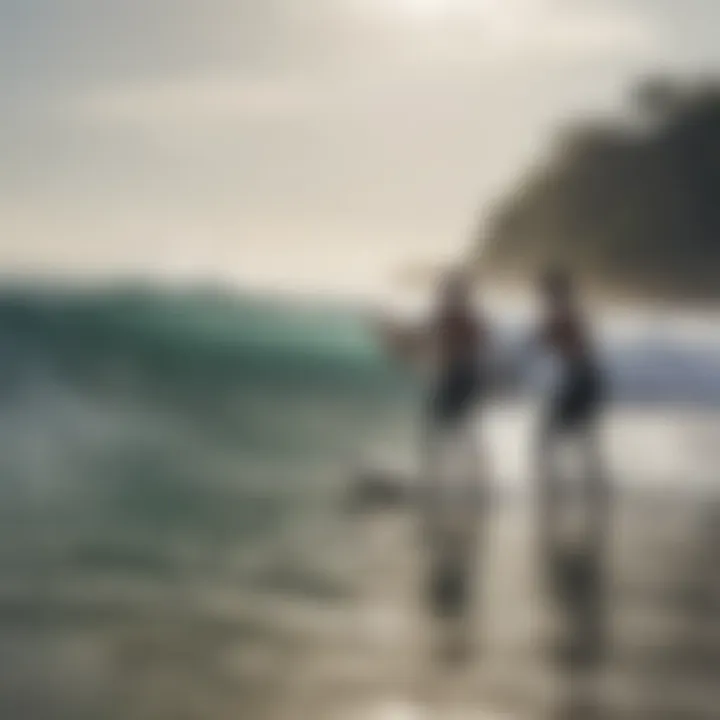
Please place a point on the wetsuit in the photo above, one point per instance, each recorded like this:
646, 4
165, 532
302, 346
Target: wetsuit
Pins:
459, 383
577, 400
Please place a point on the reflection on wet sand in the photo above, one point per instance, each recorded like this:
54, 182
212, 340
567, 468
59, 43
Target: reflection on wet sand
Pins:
450, 590
577, 579
627, 629
629, 634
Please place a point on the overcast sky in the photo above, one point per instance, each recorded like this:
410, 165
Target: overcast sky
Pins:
297, 141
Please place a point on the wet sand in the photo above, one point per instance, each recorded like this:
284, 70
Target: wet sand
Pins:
186, 647
651, 622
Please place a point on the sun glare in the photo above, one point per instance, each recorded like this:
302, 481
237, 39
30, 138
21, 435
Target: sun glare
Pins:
426, 7
432, 10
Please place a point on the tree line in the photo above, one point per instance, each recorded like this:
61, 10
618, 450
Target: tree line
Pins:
632, 204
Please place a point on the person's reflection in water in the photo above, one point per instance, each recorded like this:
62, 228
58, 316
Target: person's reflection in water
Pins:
579, 585
454, 496
455, 342
450, 586
573, 414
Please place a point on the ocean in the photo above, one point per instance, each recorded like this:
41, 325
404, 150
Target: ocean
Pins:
175, 540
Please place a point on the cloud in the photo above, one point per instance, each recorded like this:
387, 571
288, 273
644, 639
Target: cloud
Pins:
496, 32
577, 30
202, 103
370, 63
352, 55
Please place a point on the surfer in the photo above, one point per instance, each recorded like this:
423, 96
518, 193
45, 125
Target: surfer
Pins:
574, 407
453, 345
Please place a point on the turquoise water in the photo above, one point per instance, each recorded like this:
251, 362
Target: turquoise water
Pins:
173, 419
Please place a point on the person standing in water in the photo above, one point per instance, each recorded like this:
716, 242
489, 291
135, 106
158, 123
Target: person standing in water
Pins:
454, 344
574, 408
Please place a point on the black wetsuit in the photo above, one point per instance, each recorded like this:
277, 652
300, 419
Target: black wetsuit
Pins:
459, 384
578, 399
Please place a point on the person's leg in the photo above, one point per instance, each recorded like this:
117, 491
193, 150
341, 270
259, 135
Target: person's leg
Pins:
430, 473
464, 482
479, 500
447, 441
597, 488
467, 464
548, 485
597, 492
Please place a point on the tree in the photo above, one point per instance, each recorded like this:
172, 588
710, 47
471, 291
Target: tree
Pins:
630, 206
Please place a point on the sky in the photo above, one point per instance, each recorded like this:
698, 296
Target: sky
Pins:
318, 143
